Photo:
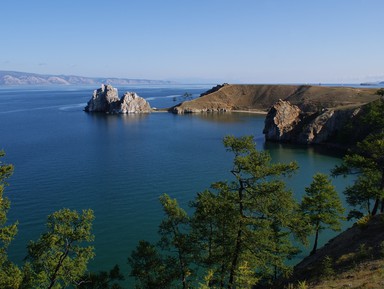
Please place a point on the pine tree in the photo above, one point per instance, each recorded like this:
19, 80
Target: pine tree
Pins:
247, 221
10, 274
59, 258
366, 161
322, 205
174, 233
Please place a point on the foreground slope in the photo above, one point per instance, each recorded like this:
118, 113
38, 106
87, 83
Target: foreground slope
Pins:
259, 98
353, 259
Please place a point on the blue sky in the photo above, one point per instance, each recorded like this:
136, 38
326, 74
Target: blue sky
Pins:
244, 41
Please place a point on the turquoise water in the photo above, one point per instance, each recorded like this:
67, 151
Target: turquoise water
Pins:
119, 165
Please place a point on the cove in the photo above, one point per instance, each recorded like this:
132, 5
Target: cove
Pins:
118, 165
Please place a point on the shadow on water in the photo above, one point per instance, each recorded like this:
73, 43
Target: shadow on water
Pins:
308, 149
111, 119
227, 117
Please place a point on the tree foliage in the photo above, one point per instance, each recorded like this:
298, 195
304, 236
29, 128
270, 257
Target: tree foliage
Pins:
366, 161
240, 232
260, 212
322, 205
103, 280
58, 258
150, 268
10, 274
153, 269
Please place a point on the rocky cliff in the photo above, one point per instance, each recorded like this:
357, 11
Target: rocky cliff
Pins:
106, 100
286, 122
132, 103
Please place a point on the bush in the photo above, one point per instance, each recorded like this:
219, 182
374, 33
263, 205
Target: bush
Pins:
362, 223
326, 268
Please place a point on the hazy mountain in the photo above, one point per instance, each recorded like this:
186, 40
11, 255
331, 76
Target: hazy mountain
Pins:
23, 78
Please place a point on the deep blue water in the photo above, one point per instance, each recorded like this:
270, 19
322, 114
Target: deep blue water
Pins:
119, 165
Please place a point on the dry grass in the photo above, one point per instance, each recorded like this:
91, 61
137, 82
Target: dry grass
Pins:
369, 274
262, 97
357, 259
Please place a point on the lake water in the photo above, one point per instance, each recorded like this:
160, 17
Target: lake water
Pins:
119, 165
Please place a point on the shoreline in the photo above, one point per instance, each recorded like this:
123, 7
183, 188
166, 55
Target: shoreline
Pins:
251, 111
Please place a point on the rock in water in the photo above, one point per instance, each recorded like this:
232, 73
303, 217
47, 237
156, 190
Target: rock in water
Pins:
132, 103
106, 99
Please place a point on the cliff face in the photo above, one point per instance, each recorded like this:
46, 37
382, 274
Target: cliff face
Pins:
281, 120
106, 100
288, 123
132, 103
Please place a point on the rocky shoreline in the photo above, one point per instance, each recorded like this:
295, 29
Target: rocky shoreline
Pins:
286, 122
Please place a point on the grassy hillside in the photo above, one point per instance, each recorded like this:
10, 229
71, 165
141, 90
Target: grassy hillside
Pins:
353, 259
262, 97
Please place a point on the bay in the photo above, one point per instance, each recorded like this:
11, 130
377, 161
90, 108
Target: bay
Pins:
119, 165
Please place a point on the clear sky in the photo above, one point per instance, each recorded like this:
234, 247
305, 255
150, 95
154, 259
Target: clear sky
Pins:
243, 41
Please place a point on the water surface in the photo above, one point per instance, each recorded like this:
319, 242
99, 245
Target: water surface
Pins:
119, 165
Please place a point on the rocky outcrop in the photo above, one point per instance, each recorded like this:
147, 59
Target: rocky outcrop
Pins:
132, 103
211, 107
106, 100
281, 120
288, 123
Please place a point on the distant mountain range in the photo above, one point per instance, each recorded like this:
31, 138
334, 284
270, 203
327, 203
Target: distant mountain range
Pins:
15, 78
372, 83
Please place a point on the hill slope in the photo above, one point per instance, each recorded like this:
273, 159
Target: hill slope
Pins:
355, 259
261, 97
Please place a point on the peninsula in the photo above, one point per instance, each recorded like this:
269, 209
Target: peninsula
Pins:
260, 98
300, 114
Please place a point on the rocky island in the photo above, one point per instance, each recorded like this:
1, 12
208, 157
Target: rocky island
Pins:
106, 100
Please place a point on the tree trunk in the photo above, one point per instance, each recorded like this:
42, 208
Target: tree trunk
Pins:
53, 278
316, 239
238, 239
375, 207
235, 260
379, 200
382, 205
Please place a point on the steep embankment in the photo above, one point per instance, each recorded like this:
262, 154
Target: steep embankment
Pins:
230, 97
353, 259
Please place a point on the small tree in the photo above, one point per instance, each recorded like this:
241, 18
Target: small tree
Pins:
174, 232
380, 92
149, 267
10, 274
154, 268
187, 96
103, 280
367, 161
243, 227
322, 205
59, 259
